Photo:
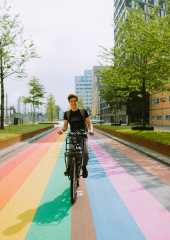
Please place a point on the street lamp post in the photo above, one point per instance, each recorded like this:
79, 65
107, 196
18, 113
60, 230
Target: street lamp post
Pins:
98, 114
2, 91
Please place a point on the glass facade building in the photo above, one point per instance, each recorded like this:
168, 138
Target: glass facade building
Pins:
158, 109
83, 87
121, 5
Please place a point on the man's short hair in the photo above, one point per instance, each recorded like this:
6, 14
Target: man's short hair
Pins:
72, 95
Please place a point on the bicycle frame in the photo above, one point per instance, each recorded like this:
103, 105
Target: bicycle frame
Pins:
75, 139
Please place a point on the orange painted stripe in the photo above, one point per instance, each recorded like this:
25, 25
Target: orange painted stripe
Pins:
13, 181
157, 170
12, 163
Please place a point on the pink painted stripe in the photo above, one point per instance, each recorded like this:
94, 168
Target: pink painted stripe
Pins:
12, 163
152, 218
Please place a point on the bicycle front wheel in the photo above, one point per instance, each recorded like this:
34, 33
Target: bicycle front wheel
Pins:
73, 182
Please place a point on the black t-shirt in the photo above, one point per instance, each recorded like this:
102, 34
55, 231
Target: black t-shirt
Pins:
76, 120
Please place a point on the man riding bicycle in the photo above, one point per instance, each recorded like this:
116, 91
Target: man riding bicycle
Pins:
78, 118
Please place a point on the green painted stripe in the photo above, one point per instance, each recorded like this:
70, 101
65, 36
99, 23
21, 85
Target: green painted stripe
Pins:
53, 217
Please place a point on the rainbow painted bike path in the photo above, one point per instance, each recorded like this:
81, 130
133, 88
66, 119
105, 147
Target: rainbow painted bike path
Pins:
126, 196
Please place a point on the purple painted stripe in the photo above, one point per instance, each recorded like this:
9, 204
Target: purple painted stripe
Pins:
152, 218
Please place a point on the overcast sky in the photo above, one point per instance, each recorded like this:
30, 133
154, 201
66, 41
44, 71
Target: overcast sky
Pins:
67, 34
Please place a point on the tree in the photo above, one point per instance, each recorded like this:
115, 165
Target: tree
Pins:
51, 107
110, 93
36, 93
140, 59
13, 108
89, 110
81, 103
14, 50
57, 110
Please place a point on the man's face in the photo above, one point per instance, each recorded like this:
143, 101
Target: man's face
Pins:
73, 102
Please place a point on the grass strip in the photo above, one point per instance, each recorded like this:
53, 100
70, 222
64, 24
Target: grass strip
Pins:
16, 130
50, 122
156, 135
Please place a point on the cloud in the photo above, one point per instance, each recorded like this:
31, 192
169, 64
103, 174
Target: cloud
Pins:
66, 34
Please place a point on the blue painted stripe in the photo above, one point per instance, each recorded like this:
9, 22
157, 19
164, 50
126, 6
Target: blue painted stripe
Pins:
111, 217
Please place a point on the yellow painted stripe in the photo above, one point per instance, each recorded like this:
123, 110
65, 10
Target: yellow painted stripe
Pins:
17, 215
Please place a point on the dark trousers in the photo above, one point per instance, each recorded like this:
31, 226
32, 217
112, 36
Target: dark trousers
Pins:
85, 151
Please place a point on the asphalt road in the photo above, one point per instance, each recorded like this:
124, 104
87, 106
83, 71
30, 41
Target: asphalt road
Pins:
126, 195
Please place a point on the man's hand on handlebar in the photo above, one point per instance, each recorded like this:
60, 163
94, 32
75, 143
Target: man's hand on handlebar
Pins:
60, 132
91, 133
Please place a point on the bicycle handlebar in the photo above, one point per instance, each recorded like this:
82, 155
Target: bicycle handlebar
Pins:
74, 133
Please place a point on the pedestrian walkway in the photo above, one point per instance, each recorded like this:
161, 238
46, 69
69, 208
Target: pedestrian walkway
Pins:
139, 148
157, 127
126, 195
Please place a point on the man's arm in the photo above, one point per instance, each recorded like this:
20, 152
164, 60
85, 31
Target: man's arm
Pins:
65, 126
90, 126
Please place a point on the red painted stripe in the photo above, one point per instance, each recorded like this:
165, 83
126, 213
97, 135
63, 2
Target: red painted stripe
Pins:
11, 164
13, 181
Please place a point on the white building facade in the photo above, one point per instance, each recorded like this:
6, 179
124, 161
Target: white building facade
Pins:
61, 114
83, 87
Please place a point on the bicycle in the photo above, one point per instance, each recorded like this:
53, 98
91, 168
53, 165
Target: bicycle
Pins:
75, 138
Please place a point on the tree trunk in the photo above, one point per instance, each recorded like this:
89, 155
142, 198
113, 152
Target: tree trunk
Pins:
127, 113
2, 95
51, 115
33, 113
143, 104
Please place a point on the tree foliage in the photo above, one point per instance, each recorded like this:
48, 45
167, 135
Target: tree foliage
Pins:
36, 94
89, 110
13, 108
14, 50
57, 110
110, 93
140, 59
81, 103
51, 107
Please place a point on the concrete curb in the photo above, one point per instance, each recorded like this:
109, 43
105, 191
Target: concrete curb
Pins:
28, 141
144, 152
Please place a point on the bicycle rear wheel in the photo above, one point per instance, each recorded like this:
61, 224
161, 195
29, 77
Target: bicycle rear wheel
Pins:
78, 175
73, 183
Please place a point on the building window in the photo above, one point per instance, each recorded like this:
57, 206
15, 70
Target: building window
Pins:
162, 13
167, 117
81, 84
159, 117
77, 84
155, 101
152, 118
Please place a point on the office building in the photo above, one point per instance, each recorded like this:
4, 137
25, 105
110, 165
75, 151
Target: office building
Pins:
100, 109
61, 114
83, 87
95, 93
160, 108
121, 5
